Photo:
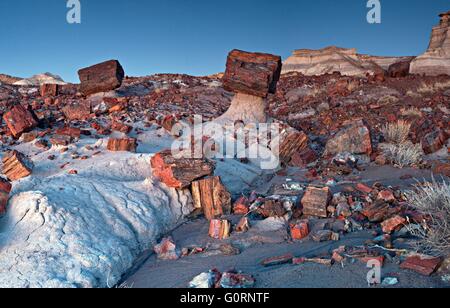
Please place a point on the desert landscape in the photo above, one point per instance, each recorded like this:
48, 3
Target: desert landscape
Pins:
92, 195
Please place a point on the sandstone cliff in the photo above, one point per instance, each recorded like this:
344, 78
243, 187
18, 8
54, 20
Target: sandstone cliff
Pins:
436, 60
334, 59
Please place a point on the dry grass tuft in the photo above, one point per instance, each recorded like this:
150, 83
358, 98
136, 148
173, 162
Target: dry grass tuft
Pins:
396, 133
425, 88
402, 155
433, 199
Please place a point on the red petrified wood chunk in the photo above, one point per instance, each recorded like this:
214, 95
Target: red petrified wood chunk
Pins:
392, 224
252, 73
299, 230
49, 90
279, 260
16, 166
124, 145
315, 201
180, 172
421, 264
5, 189
101, 77
295, 142
219, 229
69, 131
77, 111
212, 196
241, 206
20, 120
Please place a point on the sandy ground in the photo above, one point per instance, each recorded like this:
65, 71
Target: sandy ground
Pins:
257, 244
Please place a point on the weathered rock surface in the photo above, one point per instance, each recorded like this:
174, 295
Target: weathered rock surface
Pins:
334, 59
255, 74
212, 197
16, 166
436, 60
179, 173
102, 77
355, 138
20, 120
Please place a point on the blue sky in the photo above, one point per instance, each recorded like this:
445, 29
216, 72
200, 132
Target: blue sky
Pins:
194, 36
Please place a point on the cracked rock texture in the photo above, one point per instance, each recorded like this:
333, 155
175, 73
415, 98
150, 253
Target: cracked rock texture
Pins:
85, 230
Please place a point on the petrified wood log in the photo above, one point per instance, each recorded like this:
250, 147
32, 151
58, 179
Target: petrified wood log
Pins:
180, 173
20, 120
101, 77
122, 145
219, 229
315, 201
16, 166
294, 142
212, 196
252, 73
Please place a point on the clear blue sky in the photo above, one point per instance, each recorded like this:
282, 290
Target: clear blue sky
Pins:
194, 36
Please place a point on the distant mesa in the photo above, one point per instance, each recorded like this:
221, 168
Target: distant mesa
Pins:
436, 60
40, 79
6, 79
335, 59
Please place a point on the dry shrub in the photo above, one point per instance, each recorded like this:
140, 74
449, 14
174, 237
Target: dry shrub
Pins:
425, 88
411, 112
403, 154
396, 133
433, 199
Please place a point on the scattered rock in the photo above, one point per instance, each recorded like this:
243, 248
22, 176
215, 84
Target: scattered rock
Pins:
5, 189
20, 120
315, 201
219, 229
124, 144
354, 138
179, 173
424, 265
16, 166
167, 250
211, 195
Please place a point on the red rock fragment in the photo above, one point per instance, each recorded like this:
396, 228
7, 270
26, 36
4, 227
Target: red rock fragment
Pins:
179, 173
392, 224
315, 201
279, 260
434, 141
49, 90
241, 206
16, 166
421, 264
122, 145
167, 250
20, 120
219, 229
5, 189
299, 230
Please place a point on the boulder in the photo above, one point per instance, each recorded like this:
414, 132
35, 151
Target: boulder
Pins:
354, 138
315, 201
103, 77
20, 120
16, 166
399, 69
255, 74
